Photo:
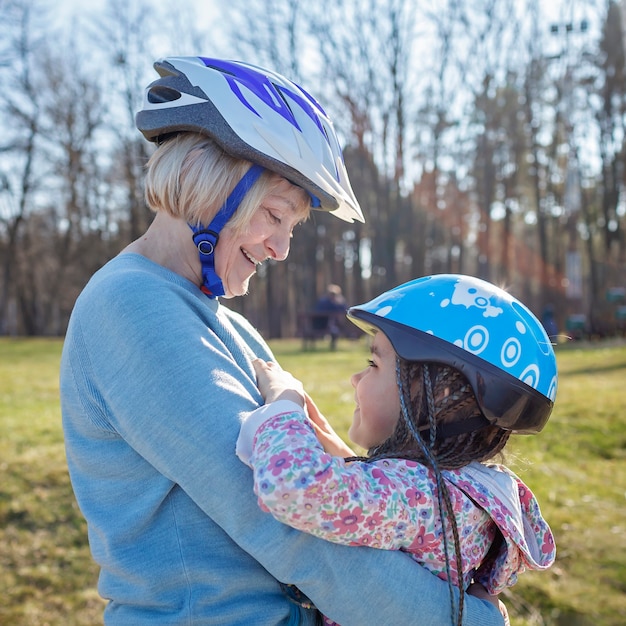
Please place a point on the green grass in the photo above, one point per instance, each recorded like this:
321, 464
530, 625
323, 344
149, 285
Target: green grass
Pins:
576, 467
46, 573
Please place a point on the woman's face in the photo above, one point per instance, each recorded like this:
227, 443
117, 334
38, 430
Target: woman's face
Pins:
268, 236
376, 395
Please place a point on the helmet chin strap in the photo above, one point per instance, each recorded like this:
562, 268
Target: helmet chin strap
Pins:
206, 238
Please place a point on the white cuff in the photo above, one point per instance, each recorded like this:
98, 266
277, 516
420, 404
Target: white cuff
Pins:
253, 421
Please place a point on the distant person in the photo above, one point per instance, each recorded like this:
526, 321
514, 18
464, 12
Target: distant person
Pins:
549, 322
333, 303
457, 365
156, 372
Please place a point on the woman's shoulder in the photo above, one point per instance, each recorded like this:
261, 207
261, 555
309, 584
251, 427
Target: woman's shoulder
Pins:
246, 329
131, 278
128, 267
131, 293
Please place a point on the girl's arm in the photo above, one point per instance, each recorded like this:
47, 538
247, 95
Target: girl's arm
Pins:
300, 475
387, 504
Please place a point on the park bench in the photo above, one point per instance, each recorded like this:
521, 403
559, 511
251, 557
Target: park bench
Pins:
317, 325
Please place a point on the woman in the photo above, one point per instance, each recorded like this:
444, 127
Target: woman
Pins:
156, 373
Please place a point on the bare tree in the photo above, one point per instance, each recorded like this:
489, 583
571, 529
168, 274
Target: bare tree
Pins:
612, 125
125, 32
77, 211
21, 103
367, 50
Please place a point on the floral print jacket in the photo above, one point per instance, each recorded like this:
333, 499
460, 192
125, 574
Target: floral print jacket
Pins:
391, 504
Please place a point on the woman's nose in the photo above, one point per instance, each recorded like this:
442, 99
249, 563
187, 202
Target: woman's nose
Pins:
278, 246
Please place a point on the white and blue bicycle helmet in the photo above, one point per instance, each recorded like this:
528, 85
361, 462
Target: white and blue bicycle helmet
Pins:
479, 329
256, 115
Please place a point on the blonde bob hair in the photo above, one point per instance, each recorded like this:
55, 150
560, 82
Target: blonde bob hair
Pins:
190, 177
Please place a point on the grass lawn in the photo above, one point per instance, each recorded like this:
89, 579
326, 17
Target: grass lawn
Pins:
576, 467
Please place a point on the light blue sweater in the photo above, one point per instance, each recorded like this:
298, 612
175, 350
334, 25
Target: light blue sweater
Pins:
154, 379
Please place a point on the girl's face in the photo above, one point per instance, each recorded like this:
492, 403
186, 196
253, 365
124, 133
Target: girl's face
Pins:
377, 398
267, 236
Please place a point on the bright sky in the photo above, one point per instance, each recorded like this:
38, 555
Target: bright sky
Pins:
204, 7
206, 11
557, 11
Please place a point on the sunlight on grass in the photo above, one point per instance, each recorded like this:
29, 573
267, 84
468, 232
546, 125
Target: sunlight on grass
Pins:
576, 467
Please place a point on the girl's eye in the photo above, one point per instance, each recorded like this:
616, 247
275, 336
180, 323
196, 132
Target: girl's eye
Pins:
371, 363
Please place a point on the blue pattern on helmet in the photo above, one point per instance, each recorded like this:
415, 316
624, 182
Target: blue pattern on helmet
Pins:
259, 83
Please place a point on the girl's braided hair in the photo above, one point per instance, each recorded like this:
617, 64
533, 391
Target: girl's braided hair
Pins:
432, 395
453, 402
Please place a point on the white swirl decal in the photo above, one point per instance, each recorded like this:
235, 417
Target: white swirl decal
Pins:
511, 352
552, 389
530, 376
476, 339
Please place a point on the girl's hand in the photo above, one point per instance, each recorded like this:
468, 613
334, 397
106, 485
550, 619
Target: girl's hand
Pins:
330, 440
275, 383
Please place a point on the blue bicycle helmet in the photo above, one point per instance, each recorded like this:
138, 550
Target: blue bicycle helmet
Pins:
479, 329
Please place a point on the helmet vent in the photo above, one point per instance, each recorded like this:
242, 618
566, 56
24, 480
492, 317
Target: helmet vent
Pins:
285, 101
222, 70
159, 94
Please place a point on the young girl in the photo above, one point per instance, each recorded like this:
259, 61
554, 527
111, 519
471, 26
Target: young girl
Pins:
457, 365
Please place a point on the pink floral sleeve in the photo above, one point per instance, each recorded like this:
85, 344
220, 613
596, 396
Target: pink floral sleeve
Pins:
386, 504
